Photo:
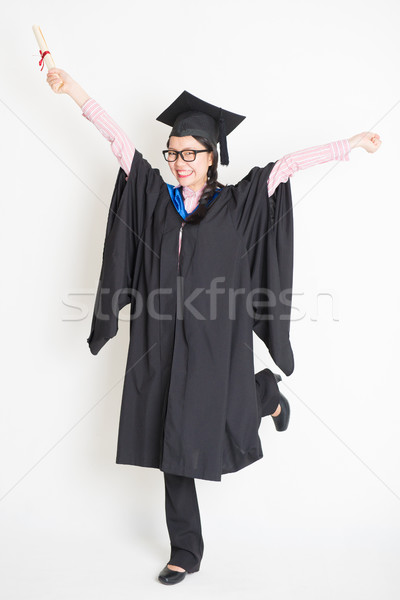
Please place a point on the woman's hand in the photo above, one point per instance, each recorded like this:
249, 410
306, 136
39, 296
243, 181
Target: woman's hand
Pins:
59, 81
367, 139
62, 83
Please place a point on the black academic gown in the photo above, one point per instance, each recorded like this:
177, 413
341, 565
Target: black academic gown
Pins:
190, 405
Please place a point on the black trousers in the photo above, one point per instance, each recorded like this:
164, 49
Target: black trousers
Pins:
183, 522
181, 505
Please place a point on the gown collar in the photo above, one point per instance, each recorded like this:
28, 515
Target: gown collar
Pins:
179, 194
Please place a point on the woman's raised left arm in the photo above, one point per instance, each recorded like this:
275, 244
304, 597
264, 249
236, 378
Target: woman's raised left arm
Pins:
303, 159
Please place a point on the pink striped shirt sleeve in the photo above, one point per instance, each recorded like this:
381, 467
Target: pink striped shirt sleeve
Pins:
121, 145
303, 159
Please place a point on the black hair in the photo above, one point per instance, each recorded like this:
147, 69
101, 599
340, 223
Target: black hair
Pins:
211, 185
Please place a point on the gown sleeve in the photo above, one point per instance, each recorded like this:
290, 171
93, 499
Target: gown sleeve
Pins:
265, 226
132, 205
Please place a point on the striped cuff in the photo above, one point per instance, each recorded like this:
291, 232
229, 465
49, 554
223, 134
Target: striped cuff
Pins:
340, 149
91, 110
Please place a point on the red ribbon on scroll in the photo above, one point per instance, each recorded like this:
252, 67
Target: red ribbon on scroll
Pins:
41, 61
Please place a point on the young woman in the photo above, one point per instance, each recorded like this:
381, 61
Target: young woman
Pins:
196, 262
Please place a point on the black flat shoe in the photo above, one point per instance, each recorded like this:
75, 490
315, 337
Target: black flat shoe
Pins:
281, 422
169, 577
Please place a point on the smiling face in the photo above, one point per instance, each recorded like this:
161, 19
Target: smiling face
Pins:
190, 174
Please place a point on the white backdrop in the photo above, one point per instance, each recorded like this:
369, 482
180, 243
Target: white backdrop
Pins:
318, 516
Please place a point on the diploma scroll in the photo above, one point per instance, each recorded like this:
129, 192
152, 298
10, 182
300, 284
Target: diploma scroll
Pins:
44, 51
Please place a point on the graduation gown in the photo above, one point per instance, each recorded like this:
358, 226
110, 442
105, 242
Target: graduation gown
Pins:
191, 404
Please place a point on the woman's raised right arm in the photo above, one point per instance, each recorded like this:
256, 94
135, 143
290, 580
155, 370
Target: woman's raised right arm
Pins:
62, 83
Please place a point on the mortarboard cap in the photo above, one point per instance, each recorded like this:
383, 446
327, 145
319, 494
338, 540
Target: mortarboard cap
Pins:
189, 115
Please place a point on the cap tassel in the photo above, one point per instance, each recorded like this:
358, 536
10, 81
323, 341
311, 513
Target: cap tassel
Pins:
222, 141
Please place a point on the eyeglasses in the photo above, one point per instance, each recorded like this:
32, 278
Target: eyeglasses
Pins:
186, 155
